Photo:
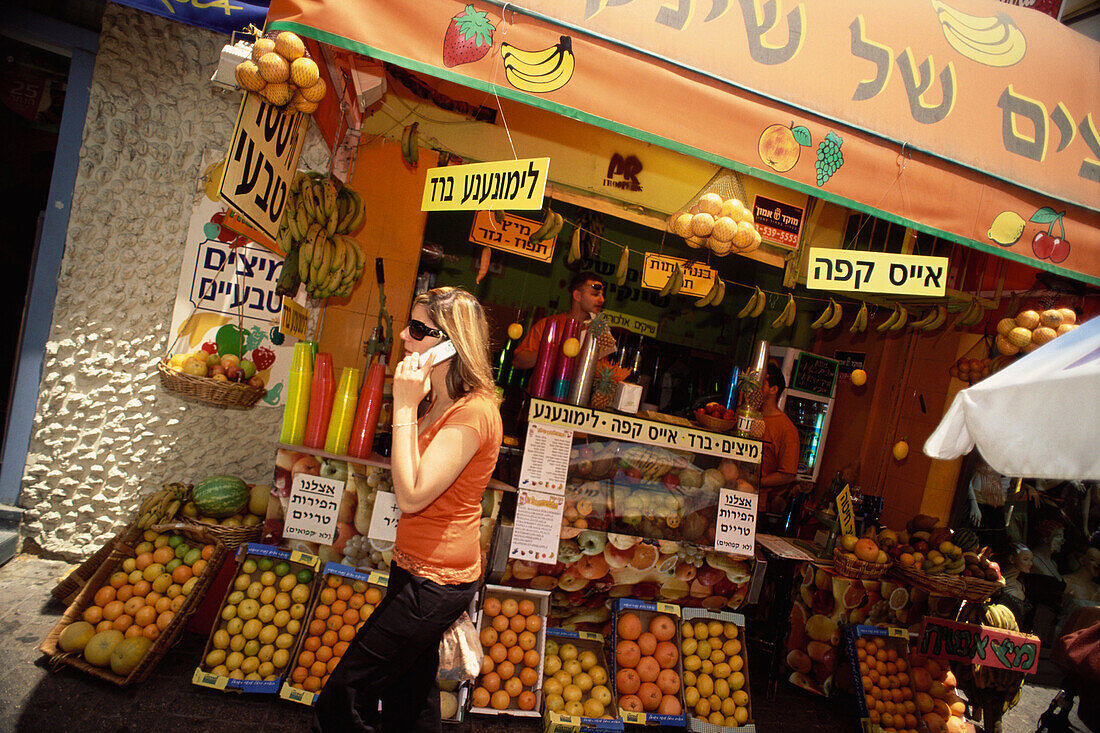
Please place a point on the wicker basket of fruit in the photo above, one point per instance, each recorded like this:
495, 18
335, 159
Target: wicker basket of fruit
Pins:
851, 566
222, 505
208, 390
716, 417
967, 588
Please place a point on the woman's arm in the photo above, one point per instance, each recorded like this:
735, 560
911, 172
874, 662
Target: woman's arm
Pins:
419, 480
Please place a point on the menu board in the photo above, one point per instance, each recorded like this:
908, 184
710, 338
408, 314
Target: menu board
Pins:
814, 374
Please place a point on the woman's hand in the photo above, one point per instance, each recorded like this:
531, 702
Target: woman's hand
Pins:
411, 381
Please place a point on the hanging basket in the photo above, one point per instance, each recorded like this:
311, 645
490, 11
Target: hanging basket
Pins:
230, 395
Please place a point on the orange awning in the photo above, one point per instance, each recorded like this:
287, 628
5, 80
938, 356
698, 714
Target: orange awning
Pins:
975, 121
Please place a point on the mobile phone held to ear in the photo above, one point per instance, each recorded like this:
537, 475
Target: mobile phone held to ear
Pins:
441, 352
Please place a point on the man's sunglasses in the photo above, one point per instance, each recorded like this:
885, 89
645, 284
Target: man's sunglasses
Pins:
419, 330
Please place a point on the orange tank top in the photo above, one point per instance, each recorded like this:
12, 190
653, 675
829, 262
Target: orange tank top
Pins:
442, 542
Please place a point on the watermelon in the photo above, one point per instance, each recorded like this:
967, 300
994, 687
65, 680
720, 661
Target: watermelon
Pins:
965, 539
220, 496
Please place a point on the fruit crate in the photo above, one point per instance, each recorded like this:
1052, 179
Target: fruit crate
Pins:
737, 678
366, 591
880, 656
124, 548
627, 655
254, 562
584, 643
540, 608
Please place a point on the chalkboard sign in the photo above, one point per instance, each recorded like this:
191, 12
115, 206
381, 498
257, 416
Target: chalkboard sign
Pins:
814, 374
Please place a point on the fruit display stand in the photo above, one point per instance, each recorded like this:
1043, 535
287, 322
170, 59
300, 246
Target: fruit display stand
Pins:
570, 654
364, 480
647, 666
119, 575
345, 601
721, 677
639, 518
251, 614
881, 675
510, 682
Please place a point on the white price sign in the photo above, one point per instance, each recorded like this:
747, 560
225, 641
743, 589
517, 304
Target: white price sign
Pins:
313, 508
383, 521
736, 530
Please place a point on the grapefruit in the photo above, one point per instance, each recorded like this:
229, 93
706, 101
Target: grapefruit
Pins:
76, 636
99, 648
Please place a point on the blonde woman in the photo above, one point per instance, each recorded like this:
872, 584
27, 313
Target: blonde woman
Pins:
446, 437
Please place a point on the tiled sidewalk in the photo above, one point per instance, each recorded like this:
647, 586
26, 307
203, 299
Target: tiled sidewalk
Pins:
34, 699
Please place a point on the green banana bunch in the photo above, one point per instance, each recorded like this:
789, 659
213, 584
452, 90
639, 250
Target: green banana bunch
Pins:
672, 285
623, 267
754, 306
971, 315
410, 144
859, 325
574, 253
550, 227
786, 317
714, 295
320, 252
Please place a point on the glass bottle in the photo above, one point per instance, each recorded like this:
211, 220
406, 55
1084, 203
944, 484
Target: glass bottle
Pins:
750, 395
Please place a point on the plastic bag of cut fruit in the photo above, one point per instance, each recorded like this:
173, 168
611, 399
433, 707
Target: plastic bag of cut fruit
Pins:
460, 652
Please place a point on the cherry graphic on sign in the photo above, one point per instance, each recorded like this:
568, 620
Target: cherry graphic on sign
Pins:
1044, 244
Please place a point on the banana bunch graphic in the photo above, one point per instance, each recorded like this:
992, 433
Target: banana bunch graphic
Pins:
933, 319
212, 179
541, 71
859, 325
899, 316
830, 317
317, 220
786, 316
992, 40
714, 296
672, 285
755, 304
197, 325
410, 144
162, 505
971, 315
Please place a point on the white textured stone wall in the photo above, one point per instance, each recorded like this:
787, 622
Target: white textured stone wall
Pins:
104, 430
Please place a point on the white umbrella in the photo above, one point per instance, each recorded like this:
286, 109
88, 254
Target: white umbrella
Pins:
1039, 417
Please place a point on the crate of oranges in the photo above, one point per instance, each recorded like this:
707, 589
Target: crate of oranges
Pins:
260, 620
133, 608
648, 673
511, 626
716, 671
576, 685
347, 599
881, 672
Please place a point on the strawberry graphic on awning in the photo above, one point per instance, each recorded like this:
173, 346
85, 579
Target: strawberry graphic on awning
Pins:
469, 37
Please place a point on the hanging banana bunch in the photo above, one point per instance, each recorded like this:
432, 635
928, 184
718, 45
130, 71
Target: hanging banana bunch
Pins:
623, 268
673, 284
714, 295
786, 317
754, 306
859, 325
932, 320
410, 144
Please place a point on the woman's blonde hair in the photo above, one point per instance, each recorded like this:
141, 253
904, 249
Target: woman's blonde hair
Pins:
459, 315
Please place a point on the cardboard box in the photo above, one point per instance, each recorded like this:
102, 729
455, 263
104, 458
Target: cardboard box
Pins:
557, 721
333, 575
215, 676
646, 612
541, 602
702, 615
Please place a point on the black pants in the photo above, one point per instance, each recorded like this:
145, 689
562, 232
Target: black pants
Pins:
394, 659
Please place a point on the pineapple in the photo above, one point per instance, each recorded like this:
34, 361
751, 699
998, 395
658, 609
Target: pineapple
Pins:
605, 382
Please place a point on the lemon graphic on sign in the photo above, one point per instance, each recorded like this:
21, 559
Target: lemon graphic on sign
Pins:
1007, 228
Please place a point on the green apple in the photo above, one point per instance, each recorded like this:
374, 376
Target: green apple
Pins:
248, 368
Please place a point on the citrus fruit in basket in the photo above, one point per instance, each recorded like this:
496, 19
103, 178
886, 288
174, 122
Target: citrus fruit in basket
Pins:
509, 673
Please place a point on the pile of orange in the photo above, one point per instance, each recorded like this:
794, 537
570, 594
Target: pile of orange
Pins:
714, 672
647, 658
935, 698
510, 637
143, 596
887, 686
342, 607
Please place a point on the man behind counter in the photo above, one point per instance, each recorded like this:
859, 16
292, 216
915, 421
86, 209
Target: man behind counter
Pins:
586, 291
779, 459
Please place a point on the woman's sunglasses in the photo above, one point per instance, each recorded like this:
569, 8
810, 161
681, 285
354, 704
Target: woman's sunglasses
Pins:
420, 330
